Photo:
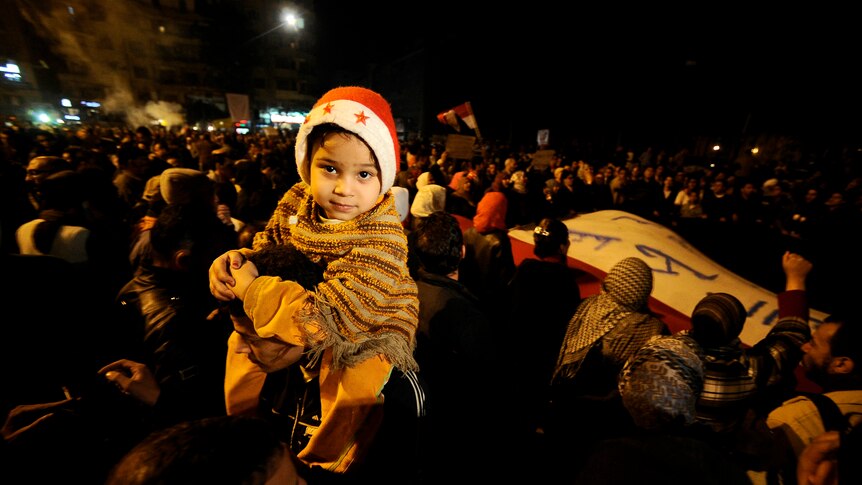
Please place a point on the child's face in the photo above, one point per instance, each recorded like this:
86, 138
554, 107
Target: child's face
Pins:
345, 179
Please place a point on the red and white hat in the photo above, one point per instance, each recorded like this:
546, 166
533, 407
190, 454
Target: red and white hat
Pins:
361, 111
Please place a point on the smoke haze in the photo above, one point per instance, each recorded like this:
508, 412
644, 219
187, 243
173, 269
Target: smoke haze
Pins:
59, 27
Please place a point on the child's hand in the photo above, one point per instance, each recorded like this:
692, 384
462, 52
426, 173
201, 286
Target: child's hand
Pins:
220, 276
243, 275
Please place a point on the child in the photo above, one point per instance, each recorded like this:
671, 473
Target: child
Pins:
361, 320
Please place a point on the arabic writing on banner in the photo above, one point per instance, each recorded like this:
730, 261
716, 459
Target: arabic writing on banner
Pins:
683, 275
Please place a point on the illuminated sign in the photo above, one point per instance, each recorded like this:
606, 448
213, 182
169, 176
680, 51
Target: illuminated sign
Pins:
291, 117
11, 71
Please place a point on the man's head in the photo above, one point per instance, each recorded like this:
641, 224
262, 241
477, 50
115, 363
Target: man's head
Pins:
40, 167
437, 245
832, 354
272, 353
187, 237
223, 449
361, 112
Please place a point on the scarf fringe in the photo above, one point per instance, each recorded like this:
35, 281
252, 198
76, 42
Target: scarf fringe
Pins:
317, 319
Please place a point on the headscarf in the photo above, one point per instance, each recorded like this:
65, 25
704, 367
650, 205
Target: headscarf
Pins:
491, 212
622, 301
430, 198
456, 179
717, 319
423, 179
660, 384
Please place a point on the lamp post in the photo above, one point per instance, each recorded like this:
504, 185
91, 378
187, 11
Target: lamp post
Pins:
289, 19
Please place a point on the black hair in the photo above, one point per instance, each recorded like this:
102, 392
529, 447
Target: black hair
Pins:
319, 133
194, 227
222, 449
847, 339
286, 262
436, 243
548, 236
289, 263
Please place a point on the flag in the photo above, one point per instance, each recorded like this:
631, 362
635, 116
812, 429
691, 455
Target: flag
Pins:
450, 118
465, 112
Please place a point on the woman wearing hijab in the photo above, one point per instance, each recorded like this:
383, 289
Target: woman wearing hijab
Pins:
605, 331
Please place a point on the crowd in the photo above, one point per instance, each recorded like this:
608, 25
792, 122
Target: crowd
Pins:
319, 281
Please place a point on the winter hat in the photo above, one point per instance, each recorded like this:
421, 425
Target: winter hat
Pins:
660, 384
184, 185
430, 198
717, 319
360, 111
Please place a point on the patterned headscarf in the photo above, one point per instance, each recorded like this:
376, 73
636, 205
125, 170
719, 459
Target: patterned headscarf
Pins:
622, 301
717, 319
660, 384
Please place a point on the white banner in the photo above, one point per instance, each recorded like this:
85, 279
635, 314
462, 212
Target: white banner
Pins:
683, 275
238, 106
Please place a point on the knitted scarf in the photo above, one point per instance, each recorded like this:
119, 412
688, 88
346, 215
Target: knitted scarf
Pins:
367, 304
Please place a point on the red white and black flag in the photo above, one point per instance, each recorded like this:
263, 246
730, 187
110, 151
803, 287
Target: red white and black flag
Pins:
463, 111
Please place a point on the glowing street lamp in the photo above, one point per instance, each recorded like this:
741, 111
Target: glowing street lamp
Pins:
288, 19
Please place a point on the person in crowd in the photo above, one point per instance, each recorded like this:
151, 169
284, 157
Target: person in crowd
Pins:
166, 308
254, 200
830, 360
462, 200
175, 186
38, 169
742, 383
429, 198
388, 443
454, 336
832, 458
233, 450
76, 224
488, 262
360, 323
568, 196
738, 378
543, 291
131, 179
604, 332
60, 230
659, 386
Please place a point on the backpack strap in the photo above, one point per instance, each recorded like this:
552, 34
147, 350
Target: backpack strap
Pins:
830, 413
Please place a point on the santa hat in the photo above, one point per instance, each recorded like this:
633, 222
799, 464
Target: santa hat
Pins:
361, 111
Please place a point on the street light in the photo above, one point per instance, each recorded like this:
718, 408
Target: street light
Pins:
288, 19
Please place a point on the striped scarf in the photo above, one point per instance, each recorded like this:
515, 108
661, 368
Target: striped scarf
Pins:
368, 303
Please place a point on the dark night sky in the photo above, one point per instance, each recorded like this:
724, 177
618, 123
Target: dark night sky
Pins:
558, 64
